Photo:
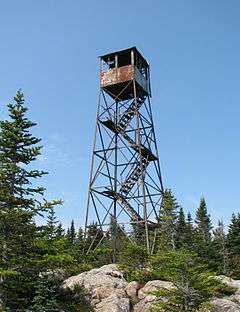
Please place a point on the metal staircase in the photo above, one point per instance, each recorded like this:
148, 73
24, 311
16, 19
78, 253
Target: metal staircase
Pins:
134, 177
129, 113
136, 218
122, 125
145, 156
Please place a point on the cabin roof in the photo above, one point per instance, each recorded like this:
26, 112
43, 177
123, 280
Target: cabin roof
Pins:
111, 55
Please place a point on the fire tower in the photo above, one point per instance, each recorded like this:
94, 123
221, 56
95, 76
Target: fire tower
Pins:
125, 178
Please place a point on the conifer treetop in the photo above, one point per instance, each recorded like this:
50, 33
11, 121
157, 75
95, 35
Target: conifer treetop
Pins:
19, 148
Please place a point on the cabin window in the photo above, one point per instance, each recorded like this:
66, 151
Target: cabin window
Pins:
124, 59
108, 63
140, 63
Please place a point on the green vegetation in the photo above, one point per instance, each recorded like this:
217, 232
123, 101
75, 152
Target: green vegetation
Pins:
35, 259
194, 283
27, 251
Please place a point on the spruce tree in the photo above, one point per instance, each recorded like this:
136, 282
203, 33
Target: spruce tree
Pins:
117, 239
189, 233
45, 298
52, 223
20, 203
221, 259
71, 234
181, 229
80, 234
93, 236
79, 244
138, 234
203, 221
203, 234
167, 221
18, 149
233, 244
233, 237
60, 230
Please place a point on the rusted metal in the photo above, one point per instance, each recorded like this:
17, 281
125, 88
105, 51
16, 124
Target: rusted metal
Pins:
122, 75
117, 75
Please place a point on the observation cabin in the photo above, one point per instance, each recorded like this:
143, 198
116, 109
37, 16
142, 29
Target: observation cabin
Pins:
125, 74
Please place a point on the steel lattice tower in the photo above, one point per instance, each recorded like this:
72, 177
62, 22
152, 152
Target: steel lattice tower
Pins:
125, 178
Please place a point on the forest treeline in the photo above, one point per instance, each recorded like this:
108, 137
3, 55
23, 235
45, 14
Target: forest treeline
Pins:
36, 258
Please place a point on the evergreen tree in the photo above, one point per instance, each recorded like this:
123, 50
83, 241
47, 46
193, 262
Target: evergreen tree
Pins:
134, 260
138, 234
59, 231
52, 223
117, 239
189, 232
79, 245
45, 297
167, 221
181, 229
93, 236
19, 203
221, 259
203, 234
18, 149
233, 244
71, 234
203, 221
80, 234
233, 236
17, 236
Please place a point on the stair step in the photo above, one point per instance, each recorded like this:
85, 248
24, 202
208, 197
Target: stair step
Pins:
133, 213
134, 177
129, 113
145, 152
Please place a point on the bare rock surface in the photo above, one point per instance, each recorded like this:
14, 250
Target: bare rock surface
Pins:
224, 305
113, 303
132, 291
229, 281
105, 287
236, 297
145, 304
108, 276
154, 286
147, 299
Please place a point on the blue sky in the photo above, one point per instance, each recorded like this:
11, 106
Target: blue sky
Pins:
50, 48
